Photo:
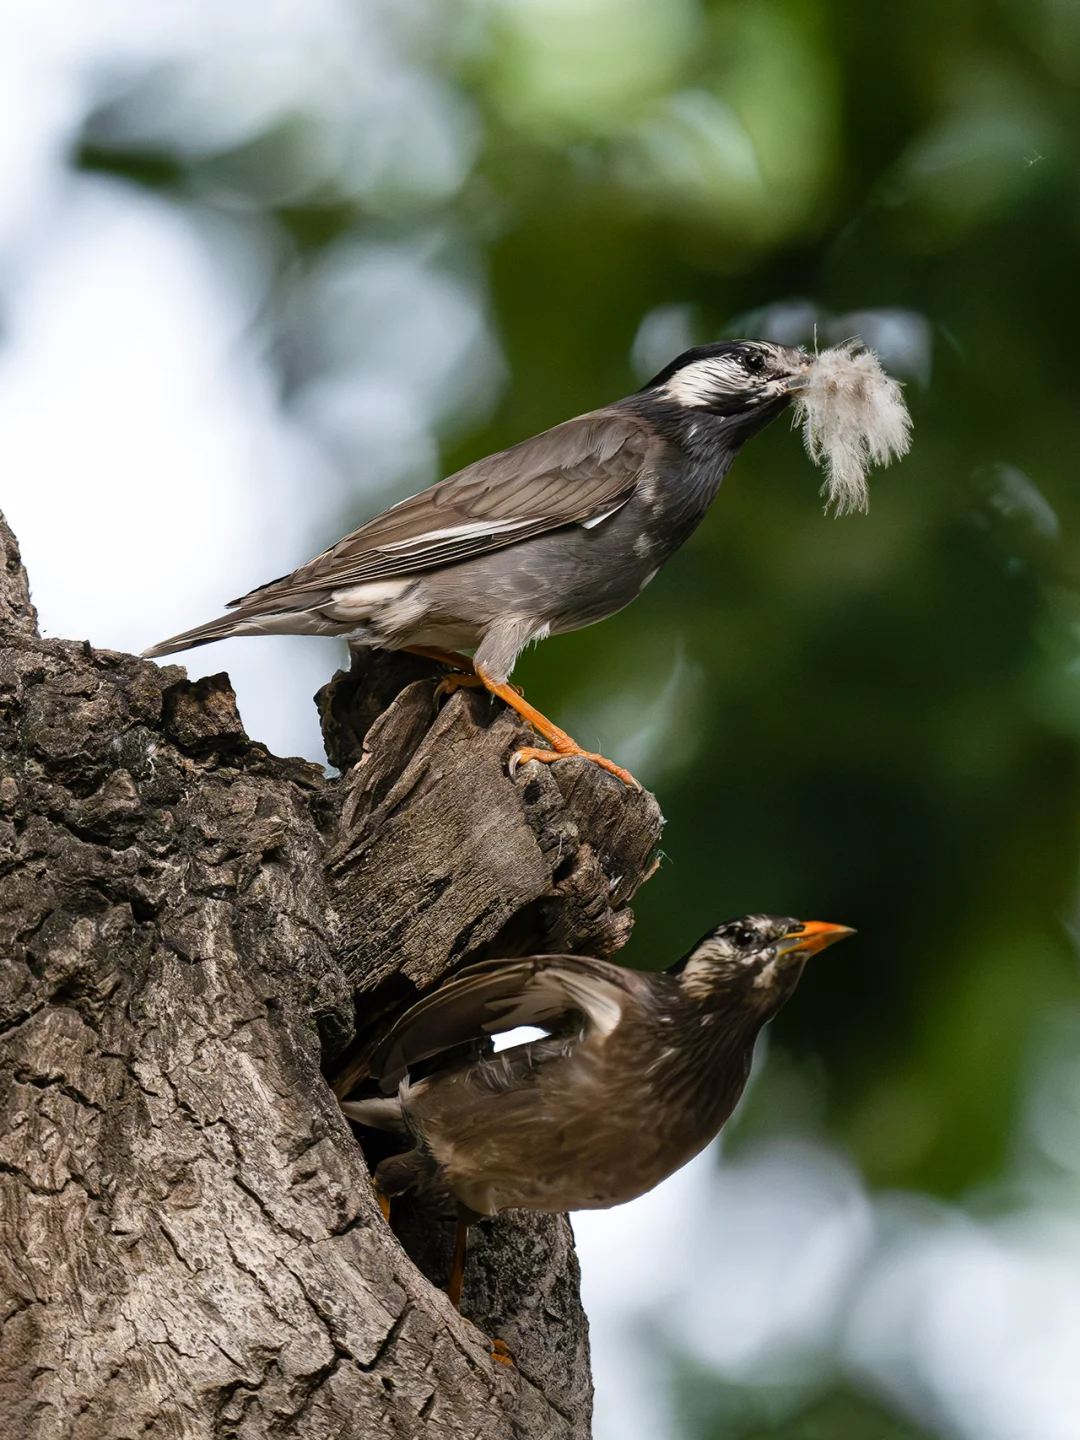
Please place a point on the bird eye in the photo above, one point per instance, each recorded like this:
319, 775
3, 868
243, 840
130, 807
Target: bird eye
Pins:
754, 362
744, 937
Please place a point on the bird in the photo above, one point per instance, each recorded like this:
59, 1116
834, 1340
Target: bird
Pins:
637, 1073
557, 532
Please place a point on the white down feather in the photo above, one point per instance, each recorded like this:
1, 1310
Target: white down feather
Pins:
853, 416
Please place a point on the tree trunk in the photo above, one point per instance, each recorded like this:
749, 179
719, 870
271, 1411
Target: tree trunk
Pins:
196, 937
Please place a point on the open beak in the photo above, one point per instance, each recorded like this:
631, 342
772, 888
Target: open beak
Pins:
812, 936
799, 364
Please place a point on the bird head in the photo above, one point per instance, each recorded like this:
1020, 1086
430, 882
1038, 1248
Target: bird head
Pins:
758, 956
743, 382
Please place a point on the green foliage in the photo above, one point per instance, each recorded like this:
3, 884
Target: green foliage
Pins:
716, 1413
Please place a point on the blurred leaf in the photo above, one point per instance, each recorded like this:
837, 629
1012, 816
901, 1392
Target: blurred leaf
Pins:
712, 1410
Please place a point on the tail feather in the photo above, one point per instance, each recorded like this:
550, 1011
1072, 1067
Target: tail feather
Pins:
219, 629
377, 1113
398, 1173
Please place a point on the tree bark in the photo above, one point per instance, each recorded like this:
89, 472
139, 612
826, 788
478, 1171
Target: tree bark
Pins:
200, 943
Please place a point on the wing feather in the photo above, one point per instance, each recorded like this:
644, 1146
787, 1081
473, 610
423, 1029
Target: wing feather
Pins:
498, 995
578, 473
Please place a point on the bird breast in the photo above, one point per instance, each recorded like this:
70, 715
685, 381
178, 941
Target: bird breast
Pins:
599, 1124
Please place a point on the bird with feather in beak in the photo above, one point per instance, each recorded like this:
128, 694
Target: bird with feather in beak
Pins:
567, 528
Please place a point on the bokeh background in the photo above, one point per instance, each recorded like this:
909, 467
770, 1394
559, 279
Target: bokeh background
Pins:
267, 267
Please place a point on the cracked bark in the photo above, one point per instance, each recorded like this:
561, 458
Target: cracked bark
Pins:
200, 942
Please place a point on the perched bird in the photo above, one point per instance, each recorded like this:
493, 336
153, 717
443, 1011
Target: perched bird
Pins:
567, 528
638, 1071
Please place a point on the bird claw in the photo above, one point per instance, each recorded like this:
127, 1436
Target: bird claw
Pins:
500, 1351
450, 684
548, 757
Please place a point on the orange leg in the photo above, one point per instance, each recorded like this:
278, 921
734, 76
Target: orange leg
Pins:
457, 1269
382, 1200
453, 1290
450, 684
561, 743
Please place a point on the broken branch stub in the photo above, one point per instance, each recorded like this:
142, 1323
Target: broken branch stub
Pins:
442, 859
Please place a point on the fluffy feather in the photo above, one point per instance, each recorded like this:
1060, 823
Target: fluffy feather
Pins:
853, 416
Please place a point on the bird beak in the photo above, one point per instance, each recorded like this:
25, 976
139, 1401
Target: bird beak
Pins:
800, 364
812, 936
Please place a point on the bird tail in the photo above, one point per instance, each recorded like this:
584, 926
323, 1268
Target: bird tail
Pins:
398, 1173
377, 1113
219, 629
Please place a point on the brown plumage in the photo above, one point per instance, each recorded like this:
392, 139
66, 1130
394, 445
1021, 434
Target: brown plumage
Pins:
638, 1073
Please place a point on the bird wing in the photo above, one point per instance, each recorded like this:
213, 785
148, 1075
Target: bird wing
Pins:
577, 473
498, 995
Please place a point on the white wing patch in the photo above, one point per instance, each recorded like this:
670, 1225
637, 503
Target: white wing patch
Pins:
470, 529
465, 531
552, 992
602, 515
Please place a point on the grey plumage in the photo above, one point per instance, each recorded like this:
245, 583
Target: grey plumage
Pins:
567, 528
550, 535
638, 1073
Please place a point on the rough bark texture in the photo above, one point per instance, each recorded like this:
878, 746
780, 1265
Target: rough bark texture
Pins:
195, 937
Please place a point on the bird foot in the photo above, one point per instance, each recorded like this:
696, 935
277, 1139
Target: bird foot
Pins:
499, 1350
449, 684
548, 757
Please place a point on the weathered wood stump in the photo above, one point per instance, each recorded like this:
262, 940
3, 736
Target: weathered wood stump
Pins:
196, 937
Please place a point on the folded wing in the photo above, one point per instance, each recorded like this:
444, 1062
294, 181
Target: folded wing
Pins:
498, 995
577, 473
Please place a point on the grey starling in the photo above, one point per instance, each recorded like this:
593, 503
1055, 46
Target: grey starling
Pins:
567, 528
637, 1073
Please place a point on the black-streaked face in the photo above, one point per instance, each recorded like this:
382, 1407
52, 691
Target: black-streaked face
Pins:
759, 954
733, 378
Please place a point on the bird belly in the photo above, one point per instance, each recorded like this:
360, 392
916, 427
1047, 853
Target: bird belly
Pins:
553, 1147
559, 582
557, 1178
584, 576
551, 584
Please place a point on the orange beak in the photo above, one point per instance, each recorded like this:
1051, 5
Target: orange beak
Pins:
812, 936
